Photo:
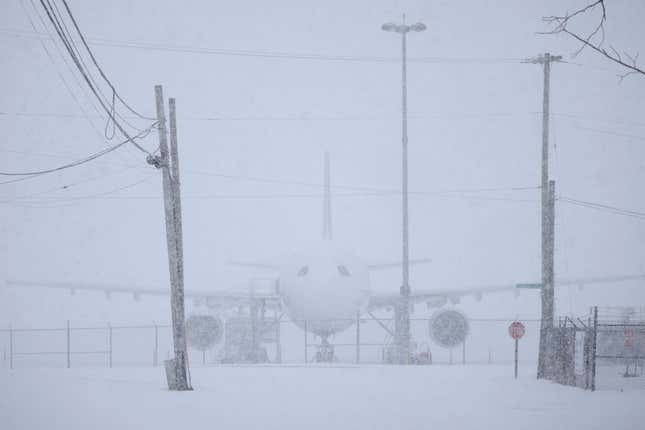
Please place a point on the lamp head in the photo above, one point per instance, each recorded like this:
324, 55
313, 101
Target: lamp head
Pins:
390, 26
419, 26
402, 28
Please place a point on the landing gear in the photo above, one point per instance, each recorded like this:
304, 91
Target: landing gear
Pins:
325, 353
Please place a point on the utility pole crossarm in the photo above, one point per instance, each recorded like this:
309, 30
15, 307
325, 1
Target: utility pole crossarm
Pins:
542, 59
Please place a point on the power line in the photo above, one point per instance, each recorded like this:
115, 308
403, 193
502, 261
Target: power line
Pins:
74, 53
280, 181
354, 188
69, 40
602, 207
356, 117
82, 160
69, 201
78, 30
66, 186
611, 133
84, 115
286, 196
275, 54
77, 61
321, 186
48, 155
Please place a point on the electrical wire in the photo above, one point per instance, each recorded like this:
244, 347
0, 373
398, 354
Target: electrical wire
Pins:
611, 133
68, 42
292, 196
50, 56
82, 160
80, 33
66, 186
602, 207
362, 117
59, 30
279, 54
352, 188
70, 201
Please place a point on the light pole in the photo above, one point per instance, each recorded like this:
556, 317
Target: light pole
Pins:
402, 311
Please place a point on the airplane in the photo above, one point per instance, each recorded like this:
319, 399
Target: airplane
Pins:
321, 289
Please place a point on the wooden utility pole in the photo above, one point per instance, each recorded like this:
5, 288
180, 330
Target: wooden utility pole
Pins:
178, 298
548, 288
547, 228
169, 165
179, 235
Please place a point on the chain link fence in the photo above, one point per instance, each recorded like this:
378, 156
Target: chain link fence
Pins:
620, 350
604, 350
70, 346
281, 340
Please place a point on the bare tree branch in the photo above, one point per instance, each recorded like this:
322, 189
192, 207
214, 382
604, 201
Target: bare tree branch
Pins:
561, 25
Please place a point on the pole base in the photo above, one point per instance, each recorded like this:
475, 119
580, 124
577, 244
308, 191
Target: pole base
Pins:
172, 379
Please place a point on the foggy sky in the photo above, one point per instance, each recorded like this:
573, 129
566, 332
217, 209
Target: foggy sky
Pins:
473, 124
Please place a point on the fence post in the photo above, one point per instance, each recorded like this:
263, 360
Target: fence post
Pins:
358, 338
278, 344
593, 348
306, 360
10, 347
68, 345
110, 345
155, 352
463, 352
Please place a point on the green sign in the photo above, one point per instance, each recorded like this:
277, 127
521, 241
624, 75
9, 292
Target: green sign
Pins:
529, 286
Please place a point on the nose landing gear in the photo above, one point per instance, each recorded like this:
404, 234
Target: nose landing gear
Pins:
325, 353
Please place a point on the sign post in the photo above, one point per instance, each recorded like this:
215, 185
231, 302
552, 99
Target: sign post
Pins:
517, 341
516, 331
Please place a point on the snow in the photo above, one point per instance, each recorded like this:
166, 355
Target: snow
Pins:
311, 397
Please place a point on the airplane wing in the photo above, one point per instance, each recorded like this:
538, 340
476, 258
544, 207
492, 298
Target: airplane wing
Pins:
242, 296
439, 297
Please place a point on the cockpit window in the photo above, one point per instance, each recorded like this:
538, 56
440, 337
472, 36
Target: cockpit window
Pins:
343, 270
303, 271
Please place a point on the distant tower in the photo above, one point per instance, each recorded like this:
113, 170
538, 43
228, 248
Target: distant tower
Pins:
327, 231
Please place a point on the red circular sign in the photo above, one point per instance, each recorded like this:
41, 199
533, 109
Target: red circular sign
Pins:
516, 330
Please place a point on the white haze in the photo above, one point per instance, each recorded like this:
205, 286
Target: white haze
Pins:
472, 125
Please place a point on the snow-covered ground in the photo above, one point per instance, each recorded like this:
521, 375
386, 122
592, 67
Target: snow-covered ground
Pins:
309, 397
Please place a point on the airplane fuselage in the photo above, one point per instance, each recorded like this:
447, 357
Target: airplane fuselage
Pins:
324, 290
